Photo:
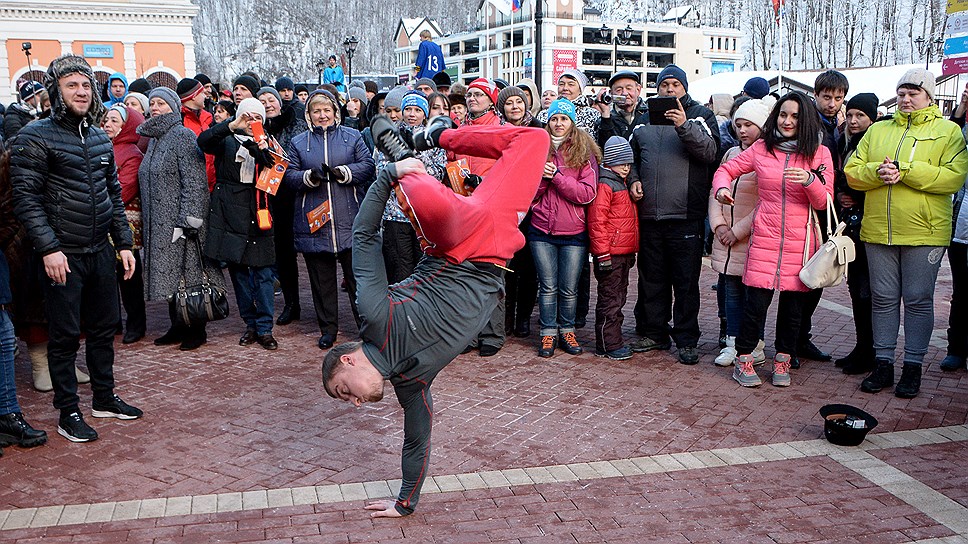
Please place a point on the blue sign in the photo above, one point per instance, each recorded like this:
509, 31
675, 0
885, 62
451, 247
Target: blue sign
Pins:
98, 51
720, 67
956, 46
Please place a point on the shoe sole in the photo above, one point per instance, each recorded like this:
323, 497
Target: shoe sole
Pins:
724, 364
612, 357
905, 395
751, 384
781, 382
72, 438
106, 414
546, 356
871, 390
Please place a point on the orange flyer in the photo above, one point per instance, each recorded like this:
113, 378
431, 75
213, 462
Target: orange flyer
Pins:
270, 178
457, 172
318, 216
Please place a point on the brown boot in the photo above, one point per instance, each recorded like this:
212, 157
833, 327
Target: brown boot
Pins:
38, 362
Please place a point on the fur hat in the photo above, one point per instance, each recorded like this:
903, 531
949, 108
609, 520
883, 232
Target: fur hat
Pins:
66, 65
168, 96
617, 152
442, 79
486, 86
865, 102
673, 72
918, 77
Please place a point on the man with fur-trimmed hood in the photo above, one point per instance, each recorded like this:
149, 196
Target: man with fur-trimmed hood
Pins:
67, 196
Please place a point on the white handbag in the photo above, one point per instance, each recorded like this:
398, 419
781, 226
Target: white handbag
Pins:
828, 266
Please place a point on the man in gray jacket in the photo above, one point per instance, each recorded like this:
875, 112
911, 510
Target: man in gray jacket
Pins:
413, 329
674, 163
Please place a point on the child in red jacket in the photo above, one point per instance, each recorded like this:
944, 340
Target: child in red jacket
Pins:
614, 232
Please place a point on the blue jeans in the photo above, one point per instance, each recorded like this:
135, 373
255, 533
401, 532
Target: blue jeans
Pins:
733, 291
254, 293
559, 267
8, 388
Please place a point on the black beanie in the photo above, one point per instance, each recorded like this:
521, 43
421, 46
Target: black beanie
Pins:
203, 79
140, 85
285, 83
249, 82
442, 79
187, 88
301, 89
865, 102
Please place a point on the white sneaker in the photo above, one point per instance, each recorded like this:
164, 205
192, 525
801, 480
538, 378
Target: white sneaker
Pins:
727, 355
759, 357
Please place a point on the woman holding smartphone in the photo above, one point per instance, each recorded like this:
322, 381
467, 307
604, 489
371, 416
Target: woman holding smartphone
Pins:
235, 235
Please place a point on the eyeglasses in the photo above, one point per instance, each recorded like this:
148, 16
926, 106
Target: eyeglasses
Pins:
475, 95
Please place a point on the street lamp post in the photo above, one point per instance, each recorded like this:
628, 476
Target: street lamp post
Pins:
926, 48
349, 45
320, 66
622, 36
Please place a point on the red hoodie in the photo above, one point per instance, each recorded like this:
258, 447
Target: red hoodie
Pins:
128, 157
200, 121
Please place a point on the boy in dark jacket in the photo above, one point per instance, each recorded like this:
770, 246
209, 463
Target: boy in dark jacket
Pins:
613, 228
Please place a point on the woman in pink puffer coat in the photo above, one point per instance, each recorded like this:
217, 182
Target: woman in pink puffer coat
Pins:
794, 173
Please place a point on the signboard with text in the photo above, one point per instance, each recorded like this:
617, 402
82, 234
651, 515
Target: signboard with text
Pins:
956, 46
561, 60
956, 65
954, 6
98, 51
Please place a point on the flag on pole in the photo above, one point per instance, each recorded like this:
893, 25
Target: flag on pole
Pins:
504, 6
515, 5
777, 6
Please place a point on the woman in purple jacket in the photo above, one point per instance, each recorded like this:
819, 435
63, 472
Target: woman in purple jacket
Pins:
558, 235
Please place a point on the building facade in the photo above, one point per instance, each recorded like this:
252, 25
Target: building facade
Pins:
139, 38
573, 36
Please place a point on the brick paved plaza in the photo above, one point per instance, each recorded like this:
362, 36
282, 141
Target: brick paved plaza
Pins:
239, 444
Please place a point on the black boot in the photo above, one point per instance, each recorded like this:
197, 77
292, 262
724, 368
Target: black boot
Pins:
193, 338
863, 353
883, 376
14, 430
173, 336
910, 383
290, 313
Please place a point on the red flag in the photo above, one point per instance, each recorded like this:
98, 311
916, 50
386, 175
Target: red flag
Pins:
777, 4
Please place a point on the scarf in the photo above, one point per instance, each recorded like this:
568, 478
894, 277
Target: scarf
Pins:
247, 168
556, 141
784, 144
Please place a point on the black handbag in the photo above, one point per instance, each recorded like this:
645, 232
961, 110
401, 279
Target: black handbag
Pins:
197, 304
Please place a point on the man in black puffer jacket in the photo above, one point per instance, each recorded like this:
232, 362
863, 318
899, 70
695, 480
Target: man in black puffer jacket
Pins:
674, 163
67, 196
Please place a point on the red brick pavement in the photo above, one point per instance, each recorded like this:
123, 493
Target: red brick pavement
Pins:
807, 500
229, 418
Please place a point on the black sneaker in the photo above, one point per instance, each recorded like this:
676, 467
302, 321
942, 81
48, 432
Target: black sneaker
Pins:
430, 137
809, 350
72, 427
688, 355
883, 376
14, 429
116, 408
386, 138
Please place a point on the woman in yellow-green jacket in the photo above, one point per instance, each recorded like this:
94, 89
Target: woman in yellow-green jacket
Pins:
908, 167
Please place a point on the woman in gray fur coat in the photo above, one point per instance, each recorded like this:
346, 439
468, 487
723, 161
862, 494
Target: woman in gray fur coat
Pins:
174, 201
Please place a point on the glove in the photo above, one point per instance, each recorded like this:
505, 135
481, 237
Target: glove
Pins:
190, 233
604, 262
472, 181
314, 177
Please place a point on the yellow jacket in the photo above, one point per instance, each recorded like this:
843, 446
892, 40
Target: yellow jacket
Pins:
933, 161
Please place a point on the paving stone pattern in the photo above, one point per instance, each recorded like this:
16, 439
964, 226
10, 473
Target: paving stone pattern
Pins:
240, 444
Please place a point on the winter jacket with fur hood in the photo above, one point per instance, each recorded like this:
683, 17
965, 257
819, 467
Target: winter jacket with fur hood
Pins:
65, 182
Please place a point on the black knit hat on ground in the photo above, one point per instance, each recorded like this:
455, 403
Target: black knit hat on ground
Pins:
865, 102
202, 78
188, 88
249, 82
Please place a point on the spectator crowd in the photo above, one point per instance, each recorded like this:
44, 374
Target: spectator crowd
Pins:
124, 194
